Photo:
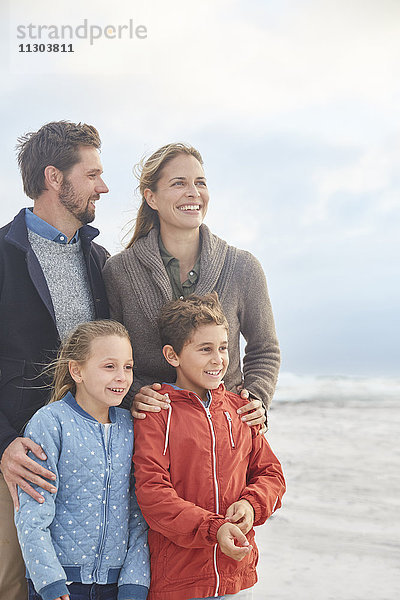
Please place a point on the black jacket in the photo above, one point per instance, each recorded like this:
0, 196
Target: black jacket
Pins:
29, 339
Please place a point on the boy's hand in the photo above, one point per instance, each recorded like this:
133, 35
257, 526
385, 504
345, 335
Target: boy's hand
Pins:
226, 536
257, 416
242, 514
149, 400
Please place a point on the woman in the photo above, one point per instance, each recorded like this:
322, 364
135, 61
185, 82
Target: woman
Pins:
172, 254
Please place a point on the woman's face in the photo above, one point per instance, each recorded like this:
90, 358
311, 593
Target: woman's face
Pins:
181, 197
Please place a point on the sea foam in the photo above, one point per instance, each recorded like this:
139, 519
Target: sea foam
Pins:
293, 387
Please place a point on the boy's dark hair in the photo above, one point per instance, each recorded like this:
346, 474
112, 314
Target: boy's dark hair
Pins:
178, 319
55, 144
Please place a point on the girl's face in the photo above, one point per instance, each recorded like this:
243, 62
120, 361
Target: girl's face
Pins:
105, 377
181, 197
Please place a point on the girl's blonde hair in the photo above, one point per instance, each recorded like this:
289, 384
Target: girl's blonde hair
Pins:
148, 172
77, 346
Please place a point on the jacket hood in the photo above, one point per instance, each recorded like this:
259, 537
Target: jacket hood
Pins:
181, 395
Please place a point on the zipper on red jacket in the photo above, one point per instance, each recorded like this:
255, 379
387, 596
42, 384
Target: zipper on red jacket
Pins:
208, 413
229, 419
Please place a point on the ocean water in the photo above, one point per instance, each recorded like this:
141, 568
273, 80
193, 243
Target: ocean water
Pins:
293, 387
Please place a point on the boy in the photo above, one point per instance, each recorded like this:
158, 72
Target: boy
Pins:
203, 478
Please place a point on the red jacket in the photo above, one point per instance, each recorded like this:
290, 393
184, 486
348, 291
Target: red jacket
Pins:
191, 463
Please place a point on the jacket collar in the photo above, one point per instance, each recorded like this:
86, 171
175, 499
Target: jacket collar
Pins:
72, 403
212, 257
18, 233
144, 257
180, 394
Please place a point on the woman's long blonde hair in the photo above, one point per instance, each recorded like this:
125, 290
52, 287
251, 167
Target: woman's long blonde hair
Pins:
77, 346
148, 172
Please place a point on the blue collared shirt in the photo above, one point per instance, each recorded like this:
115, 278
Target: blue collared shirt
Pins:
45, 230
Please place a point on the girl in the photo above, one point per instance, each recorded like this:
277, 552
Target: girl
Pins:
88, 539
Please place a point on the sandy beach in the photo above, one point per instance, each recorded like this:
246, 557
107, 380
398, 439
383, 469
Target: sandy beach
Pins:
337, 535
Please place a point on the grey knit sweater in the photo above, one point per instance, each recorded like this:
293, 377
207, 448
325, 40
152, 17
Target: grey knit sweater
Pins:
137, 286
64, 268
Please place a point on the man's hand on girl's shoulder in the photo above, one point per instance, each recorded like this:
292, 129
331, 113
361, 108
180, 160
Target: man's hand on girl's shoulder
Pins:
19, 469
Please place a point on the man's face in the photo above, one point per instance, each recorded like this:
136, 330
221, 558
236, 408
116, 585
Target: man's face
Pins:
83, 185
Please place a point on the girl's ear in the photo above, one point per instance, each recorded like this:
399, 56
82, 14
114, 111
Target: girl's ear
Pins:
171, 356
149, 197
75, 371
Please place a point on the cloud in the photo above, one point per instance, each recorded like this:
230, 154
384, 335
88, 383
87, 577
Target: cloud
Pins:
373, 176
231, 60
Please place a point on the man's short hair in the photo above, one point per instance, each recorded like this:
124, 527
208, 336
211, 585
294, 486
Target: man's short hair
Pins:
180, 318
56, 144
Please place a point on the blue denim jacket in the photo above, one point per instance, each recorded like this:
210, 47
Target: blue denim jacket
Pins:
92, 529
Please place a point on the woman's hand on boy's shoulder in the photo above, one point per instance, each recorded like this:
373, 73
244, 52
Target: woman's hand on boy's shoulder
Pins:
241, 513
253, 412
148, 400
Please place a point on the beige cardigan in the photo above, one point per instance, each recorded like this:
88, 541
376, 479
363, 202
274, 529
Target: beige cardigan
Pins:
137, 286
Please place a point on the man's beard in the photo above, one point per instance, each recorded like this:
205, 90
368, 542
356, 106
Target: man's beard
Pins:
72, 203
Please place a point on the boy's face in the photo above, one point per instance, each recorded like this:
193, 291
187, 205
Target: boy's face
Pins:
203, 361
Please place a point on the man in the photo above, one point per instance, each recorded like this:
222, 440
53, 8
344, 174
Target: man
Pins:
50, 280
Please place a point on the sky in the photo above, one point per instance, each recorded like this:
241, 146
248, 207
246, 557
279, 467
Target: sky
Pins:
294, 106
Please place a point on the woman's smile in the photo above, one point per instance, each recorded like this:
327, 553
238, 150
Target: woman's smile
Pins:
181, 197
